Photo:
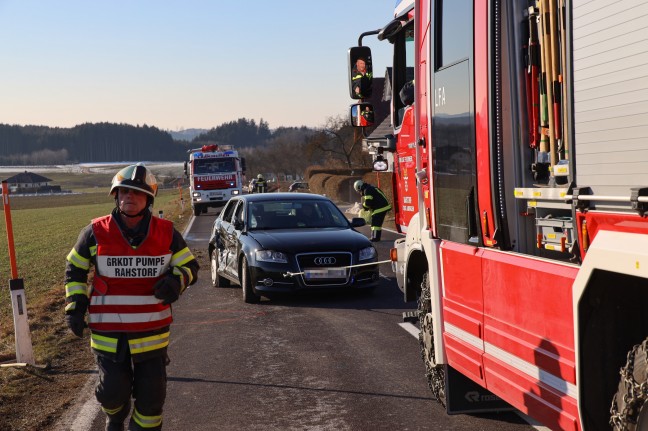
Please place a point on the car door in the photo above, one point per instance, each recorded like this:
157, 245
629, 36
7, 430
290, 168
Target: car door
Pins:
235, 230
224, 236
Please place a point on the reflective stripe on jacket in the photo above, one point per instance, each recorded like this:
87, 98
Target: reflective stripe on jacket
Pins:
374, 199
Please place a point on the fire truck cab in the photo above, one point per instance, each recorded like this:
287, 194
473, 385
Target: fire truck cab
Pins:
216, 173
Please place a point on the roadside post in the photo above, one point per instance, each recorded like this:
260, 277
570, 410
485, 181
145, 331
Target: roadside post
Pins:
24, 352
181, 199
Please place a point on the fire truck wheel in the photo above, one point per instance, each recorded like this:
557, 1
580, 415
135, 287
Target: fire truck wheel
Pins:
249, 295
197, 210
435, 373
629, 411
217, 280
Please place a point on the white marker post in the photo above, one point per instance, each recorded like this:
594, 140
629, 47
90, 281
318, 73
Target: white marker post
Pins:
24, 352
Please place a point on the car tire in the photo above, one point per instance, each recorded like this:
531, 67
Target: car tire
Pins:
249, 295
217, 280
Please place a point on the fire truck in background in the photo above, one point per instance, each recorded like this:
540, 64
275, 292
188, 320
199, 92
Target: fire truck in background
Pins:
216, 173
528, 252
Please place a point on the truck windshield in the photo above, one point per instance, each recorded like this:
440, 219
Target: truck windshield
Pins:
214, 166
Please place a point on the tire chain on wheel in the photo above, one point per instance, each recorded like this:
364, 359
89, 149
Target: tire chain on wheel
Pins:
635, 396
435, 375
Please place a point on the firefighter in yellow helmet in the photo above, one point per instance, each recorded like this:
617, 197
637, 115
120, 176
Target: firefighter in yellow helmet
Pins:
142, 265
374, 200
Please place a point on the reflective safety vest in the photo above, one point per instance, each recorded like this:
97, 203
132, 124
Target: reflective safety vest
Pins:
122, 297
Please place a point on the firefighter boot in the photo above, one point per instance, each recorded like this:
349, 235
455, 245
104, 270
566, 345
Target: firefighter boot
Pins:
115, 418
375, 235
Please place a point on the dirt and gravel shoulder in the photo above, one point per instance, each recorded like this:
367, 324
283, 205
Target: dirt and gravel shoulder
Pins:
33, 398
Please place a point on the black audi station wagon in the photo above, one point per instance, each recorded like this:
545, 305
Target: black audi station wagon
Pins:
287, 242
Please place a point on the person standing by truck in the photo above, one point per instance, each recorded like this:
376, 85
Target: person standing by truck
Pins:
142, 265
261, 184
374, 200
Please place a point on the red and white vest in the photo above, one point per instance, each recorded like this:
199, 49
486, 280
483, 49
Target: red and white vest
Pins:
122, 297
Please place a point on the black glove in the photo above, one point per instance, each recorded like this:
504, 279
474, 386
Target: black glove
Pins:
76, 323
167, 289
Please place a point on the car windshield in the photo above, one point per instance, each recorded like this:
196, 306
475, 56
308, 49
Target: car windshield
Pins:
214, 166
295, 214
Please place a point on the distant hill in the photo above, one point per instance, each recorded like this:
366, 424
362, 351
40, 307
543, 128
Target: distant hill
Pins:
187, 134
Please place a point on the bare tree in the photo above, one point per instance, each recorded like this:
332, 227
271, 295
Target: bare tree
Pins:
338, 141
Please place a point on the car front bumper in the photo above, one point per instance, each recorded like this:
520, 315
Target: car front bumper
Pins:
284, 278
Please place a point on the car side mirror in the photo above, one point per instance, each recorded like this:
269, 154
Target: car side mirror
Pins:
238, 224
358, 222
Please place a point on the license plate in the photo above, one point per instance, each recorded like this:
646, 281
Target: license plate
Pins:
313, 274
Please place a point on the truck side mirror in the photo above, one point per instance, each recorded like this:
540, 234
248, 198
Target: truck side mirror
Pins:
360, 72
362, 115
185, 169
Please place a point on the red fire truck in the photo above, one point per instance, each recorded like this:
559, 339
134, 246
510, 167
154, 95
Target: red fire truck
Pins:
528, 253
216, 173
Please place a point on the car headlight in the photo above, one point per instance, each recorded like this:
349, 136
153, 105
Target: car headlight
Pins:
367, 253
271, 256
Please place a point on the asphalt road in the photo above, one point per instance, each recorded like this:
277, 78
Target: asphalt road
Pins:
312, 362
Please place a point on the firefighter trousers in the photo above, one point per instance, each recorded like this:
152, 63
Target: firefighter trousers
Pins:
145, 381
376, 225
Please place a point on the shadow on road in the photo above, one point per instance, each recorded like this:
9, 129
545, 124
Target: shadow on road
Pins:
293, 387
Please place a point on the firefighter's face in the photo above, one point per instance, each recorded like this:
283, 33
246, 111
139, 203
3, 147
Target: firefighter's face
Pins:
361, 65
131, 201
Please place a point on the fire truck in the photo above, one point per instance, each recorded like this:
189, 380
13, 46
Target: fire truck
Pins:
216, 173
528, 251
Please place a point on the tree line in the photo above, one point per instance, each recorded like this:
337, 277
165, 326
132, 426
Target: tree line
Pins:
288, 150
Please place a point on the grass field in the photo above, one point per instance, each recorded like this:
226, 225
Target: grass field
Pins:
45, 228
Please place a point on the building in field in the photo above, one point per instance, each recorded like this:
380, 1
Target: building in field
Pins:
29, 182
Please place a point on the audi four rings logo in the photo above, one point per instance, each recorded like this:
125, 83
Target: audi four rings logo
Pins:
324, 261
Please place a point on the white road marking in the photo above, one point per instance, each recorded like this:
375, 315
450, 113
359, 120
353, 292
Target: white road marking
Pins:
82, 418
414, 331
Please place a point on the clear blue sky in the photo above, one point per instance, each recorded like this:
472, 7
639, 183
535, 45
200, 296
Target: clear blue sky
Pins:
181, 64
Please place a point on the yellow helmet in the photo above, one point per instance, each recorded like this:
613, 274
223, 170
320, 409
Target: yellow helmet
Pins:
136, 177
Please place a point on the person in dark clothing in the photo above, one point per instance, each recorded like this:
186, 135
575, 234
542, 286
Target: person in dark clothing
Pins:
141, 265
374, 200
261, 184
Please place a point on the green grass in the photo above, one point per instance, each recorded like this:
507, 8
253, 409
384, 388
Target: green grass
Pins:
45, 229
